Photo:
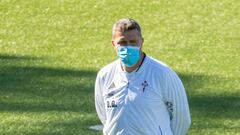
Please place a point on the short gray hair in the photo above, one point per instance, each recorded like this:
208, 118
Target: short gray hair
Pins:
126, 24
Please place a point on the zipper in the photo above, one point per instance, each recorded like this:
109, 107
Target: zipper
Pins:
126, 93
160, 130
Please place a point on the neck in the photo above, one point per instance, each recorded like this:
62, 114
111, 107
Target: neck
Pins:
130, 69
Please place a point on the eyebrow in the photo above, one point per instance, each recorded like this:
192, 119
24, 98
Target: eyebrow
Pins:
123, 39
132, 41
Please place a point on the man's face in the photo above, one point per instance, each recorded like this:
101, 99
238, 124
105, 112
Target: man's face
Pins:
131, 37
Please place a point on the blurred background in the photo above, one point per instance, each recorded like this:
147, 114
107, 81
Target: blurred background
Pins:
51, 51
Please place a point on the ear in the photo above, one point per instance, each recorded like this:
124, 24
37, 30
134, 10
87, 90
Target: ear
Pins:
113, 43
114, 46
142, 43
142, 40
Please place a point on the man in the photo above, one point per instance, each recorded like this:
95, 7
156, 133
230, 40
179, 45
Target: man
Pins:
136, 94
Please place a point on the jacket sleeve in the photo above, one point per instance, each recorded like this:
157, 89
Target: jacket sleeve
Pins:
177, 104
99, 103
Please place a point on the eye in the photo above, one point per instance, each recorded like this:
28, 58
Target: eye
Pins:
134, 44
133, 41
122, 42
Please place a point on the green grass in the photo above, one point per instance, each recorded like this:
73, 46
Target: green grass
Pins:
50, 52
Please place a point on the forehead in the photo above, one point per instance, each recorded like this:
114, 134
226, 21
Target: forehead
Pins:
127, 35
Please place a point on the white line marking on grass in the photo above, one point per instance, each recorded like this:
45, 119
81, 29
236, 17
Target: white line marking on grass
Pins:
96, 127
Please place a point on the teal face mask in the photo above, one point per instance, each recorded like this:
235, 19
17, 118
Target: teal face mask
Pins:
129, 55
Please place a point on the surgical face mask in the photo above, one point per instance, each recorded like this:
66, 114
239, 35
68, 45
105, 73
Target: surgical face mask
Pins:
129, 55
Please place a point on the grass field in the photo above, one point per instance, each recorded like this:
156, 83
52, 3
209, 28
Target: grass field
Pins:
51, 51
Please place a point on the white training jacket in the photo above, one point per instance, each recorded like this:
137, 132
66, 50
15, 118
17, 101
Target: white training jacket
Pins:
148, 101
